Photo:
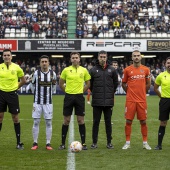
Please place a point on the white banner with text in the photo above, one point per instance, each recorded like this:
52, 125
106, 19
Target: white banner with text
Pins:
114, 45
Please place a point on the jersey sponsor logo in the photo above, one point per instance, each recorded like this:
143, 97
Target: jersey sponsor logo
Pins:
137, 77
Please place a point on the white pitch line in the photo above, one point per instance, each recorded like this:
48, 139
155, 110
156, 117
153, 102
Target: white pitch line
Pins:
70, 155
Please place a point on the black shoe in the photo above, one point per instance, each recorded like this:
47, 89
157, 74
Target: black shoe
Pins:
158, 147
84, 147
94, 146
20, 146
61, 147
110, 146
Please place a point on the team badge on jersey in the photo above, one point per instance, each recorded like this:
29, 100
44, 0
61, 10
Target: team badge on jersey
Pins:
142, 71
81, 75
12, 72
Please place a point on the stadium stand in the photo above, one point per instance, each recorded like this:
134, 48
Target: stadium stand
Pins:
109, 17
32, 18
152, 18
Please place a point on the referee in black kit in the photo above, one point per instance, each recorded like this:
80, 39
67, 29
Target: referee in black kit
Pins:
163, 80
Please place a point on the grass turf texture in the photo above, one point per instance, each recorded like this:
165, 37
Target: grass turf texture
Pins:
100, 158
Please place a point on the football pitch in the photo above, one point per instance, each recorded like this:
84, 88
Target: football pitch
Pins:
101, 158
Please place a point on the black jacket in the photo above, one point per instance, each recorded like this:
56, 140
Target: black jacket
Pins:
104, 82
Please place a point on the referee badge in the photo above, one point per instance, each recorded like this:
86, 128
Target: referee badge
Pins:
81, 75
12, 72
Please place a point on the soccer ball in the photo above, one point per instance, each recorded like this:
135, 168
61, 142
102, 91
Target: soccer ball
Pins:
75, 146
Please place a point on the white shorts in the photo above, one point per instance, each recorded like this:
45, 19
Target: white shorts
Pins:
39, 109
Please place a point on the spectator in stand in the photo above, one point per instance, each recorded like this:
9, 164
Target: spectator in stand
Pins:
43, 28
137, 29
101, 29
145, 4
94, 31
116, 24
36, 29
54, 33
49, 33
79, 32
122, 33
152, 28
30, 29
116, 33
2, 33
64, 33
85, 29
149, 4
147, 25
151, 21
164, 27
159, 28
28, 15
168, 26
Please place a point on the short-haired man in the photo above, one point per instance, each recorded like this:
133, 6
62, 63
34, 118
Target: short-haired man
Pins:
104, 82
163, 81
9, 75
136, 82
74, 81
44, 81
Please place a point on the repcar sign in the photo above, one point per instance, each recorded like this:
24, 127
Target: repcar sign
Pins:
113, 45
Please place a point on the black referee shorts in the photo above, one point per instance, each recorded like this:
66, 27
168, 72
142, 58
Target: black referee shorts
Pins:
76, 101
10, 100
164, 109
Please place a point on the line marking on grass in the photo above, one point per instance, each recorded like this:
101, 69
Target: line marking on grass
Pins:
70, 155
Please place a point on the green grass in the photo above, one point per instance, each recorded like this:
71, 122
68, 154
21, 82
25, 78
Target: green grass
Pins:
101, 158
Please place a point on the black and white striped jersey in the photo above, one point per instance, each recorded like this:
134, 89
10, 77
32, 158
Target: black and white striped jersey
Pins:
43, 86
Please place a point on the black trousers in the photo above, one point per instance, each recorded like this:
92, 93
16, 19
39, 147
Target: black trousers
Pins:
97, 112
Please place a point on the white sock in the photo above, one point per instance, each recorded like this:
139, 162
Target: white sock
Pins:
48, 130
145, 142
127, 142
35, 129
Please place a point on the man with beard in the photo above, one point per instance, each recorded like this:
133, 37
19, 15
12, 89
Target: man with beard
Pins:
74, 81
163, 80
104, 82
136, 82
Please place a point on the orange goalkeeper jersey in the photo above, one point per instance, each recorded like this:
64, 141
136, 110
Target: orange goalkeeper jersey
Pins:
135, 78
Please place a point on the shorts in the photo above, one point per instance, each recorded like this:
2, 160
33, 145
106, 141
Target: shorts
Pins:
45, 109
76, 101
10, 100
164, 109
131, 108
